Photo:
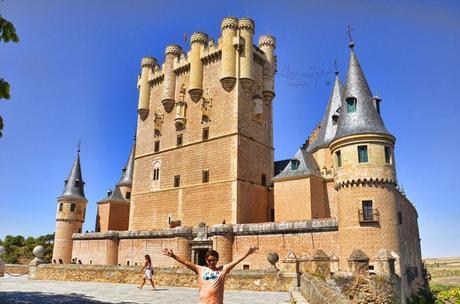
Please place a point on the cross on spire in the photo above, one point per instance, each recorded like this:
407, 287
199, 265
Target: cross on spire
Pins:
79, 145
336, 67
351, 44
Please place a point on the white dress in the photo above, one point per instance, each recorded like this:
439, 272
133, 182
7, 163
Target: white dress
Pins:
148, 272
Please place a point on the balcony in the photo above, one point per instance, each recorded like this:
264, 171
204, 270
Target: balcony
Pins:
370, 215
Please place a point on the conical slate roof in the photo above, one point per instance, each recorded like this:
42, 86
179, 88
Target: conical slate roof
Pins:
126, 179
115, 196
74, 184
328, 127
365, 119
306, 166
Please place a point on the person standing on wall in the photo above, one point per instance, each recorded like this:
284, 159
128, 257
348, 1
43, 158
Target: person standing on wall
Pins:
211, 279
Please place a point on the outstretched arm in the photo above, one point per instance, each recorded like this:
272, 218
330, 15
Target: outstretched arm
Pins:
250, 251
181, 260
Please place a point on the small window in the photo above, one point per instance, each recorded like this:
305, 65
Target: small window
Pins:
77, 183
127, 263
245, 267
157, 146
367, 211
176, 181
362, 154
90, 262
387, 155
179, 140
72, 207
377, 106
400, 218
272, 214
60, 206
338, 157
263, 180
205, 133
156, 175
335, 119
128, 194
351, 105
205, 176
79, 230
295, 164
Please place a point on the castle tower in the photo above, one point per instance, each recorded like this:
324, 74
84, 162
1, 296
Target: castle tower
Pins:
70, 213
365, 175
113, 210
211, 159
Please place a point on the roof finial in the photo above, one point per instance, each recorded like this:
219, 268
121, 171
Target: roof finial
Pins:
79, 145
351, 44
336, 67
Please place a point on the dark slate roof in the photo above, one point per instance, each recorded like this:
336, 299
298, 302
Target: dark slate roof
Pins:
327, 127
115, 196
74, 184
365, 119
279, 166
307, 166
127, 172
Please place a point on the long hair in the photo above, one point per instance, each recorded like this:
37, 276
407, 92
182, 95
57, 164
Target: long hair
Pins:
147, 257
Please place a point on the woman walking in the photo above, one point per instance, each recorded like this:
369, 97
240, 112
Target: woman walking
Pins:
148, 272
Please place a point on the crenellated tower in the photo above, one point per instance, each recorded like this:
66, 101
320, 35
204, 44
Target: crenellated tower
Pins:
70, 213
204, 138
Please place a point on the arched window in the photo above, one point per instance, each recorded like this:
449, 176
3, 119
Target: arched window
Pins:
295, 164
155, 184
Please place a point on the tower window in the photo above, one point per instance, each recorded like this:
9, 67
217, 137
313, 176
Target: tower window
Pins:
335, 119
205, 176
176, 181
156, 175
272, 214
77, 184
79, 230
338, 157
60, 206
179, 140
400, 218
157, 146
73, 207
387, 155
128, 194
367, 211
351, 105
205, 133
263, 180
362, 154
295, 164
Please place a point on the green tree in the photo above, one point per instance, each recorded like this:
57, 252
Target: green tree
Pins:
7, 34
18, 250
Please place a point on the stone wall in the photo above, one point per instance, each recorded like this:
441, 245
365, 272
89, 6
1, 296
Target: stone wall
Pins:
175, 276
16, 268
317, 291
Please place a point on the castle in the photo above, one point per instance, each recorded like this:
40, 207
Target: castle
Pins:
201, 173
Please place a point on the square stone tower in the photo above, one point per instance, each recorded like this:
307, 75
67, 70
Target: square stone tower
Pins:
204, 150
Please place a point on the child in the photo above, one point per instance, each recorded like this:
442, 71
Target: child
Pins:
211, 279
148, 272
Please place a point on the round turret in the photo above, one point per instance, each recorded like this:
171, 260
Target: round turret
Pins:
246, 27
147, 65
229, 29
198, 41
267, 44
169, 83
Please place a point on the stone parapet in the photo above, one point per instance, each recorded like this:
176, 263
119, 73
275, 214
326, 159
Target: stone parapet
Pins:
317, 291
316, 225
179, 277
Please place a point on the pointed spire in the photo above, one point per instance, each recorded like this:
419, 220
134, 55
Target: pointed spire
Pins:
126, 179
303, 164
362, 117
74, 184
328, 125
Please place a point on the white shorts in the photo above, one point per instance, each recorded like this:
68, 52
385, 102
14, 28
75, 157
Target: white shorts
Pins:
148, 274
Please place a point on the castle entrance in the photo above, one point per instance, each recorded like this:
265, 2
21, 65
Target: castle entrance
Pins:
200, 256
200, 245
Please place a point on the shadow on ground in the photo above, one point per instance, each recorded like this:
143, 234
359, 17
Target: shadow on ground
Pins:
25, 297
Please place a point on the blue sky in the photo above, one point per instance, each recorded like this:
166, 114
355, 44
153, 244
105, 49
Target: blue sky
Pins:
74, 73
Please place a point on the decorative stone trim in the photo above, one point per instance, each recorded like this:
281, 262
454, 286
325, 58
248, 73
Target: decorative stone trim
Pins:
267, 40
173, 49
229, 23
199, 37
148, 62
246, 24
366, 181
